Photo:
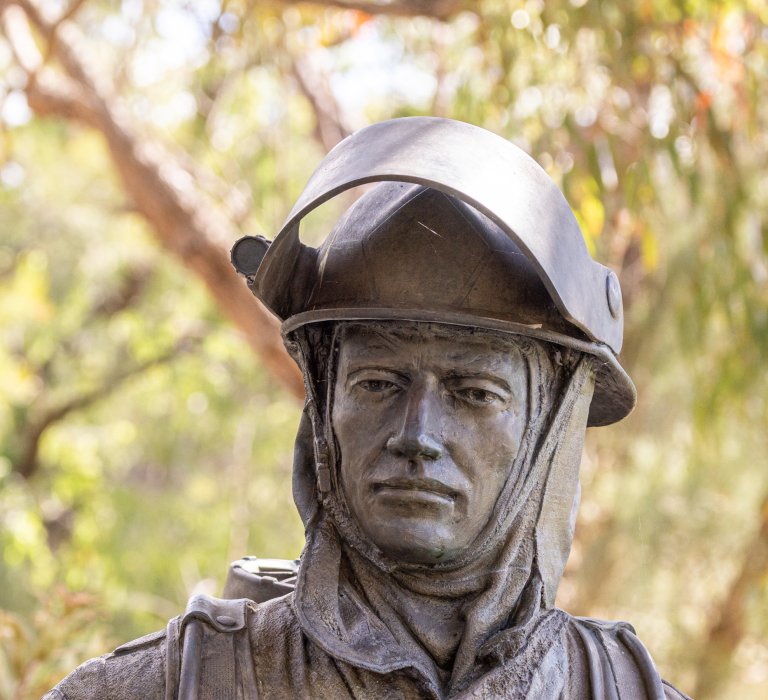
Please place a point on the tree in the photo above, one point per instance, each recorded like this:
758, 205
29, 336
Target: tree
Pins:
199, 121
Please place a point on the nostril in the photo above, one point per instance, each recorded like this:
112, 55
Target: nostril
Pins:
393, 446
430, 450
422, 447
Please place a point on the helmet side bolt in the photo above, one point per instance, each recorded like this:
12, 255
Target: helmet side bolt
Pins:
613, 294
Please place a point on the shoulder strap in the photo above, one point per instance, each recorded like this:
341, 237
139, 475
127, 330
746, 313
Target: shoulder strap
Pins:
599, 639
172, 658
207, 621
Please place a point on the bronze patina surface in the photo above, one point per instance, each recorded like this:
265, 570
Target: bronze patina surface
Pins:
456, 340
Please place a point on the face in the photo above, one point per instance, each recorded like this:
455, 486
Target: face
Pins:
428, 425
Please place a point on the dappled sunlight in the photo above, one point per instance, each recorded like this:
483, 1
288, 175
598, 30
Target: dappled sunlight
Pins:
147, 409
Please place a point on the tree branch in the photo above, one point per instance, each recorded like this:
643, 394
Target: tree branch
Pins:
726, 633
163, 191
329, 123
28, 462
69, 13
438, 9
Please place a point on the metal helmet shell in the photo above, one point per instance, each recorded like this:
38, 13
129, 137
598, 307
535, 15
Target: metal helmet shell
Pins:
466, 229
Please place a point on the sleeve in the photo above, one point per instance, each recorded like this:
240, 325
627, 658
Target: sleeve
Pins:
134, 670
86, 682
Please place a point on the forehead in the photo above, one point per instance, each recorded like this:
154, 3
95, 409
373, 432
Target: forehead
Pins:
416, 343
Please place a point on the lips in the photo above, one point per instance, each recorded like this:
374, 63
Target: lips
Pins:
415, 489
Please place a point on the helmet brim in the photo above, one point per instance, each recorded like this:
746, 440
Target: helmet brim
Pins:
615, 394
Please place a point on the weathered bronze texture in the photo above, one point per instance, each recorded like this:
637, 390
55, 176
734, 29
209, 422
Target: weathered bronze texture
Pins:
408, 252
455, 340
489, 173
513, 206
260, 580
427, 434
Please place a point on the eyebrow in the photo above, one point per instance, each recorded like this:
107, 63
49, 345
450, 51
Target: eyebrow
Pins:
353, 370
469, 374
451, 374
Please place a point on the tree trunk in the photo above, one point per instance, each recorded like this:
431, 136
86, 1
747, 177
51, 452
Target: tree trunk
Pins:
161, 189
728, 629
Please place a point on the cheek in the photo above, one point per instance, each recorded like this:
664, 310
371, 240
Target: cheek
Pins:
485, 451
349, 420
485, 443
364, 424
346, 429
356, 430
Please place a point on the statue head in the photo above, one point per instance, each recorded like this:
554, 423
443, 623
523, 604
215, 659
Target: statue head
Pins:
443, 314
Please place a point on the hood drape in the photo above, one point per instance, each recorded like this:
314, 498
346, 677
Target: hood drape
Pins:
353, 601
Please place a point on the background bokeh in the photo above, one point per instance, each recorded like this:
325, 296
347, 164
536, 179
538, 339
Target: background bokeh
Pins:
147, 411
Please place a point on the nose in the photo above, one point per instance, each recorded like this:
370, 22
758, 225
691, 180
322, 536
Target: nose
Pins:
416, 437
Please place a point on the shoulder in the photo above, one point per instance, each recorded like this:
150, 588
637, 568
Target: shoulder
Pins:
207, 636
135, 669
610, 657
274, 627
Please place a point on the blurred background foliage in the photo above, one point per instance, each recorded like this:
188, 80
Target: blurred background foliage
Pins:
147, 412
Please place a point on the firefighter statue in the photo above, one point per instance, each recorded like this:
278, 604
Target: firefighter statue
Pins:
456, 340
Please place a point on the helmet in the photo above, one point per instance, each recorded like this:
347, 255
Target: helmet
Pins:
465, 229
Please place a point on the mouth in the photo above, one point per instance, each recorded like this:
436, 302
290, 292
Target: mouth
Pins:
427, 490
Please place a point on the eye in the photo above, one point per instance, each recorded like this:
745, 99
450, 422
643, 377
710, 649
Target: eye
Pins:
374, 382
477, 397
376, 386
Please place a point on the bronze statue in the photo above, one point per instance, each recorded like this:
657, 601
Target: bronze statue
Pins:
456, 340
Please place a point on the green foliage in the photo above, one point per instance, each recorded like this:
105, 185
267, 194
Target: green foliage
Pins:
175, 457
36, 650
179, 459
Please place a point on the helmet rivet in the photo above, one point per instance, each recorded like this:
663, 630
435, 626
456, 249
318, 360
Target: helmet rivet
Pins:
613, 294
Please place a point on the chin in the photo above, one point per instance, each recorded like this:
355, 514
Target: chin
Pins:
414, 541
